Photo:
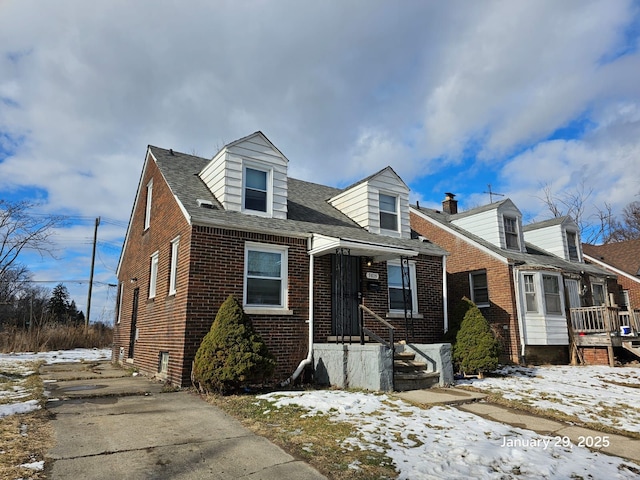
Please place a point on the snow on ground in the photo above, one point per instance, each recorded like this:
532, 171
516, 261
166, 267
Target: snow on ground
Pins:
15, 368
444, 442
593, 394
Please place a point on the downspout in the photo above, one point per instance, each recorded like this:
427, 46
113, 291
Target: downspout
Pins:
521, 325
445, 298
308, 360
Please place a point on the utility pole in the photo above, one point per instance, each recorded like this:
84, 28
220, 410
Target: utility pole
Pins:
93, 262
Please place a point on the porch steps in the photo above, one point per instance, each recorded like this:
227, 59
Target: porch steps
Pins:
632, 346
409, 374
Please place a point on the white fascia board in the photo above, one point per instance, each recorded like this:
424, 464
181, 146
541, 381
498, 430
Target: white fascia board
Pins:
322, 244
609, 267
460, 236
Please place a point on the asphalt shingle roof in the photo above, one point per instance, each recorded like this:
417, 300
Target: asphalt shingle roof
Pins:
535, 257
624, 256
308, 209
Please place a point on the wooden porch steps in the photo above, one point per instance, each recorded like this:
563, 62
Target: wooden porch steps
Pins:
410, 374
633, 346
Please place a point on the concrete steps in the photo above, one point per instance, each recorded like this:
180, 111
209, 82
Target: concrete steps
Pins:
410, 374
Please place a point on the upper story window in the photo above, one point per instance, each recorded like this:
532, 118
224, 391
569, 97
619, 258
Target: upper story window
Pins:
573, 246
479, 288
147, 211
173, 272
530, 293
265, 276
153, 276
255, 189
511, 233
552, 301
388, 212
395, 283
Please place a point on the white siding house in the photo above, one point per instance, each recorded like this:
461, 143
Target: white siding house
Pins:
559, 236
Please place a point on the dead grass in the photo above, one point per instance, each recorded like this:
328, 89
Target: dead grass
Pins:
24, 438
55, 337
315, 439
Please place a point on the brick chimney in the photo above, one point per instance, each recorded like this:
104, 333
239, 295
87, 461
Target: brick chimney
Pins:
449, 205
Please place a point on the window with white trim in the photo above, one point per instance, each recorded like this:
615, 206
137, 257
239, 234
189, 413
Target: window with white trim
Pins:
624, 300
163, 363
530, 293
388, 212
120, 293
479, 288
394, 283
153, 275
572, 245
511, 233
255, 190
265, 276
173, 272
147, 211
551, 287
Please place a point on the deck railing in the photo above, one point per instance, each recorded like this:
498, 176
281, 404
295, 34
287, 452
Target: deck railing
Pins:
604, 319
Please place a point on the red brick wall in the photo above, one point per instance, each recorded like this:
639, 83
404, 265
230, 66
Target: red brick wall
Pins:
159, 319
465, 258
595, 355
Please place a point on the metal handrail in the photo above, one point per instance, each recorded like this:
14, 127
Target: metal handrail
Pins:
377, 317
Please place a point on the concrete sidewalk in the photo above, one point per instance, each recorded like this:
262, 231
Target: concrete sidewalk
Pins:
473, 402
109, 425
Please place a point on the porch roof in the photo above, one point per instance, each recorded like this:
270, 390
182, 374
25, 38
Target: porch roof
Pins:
323, 245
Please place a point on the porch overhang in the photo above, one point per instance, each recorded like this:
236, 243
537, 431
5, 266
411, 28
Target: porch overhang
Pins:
323, 245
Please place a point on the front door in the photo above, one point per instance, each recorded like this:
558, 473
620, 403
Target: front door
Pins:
134, 322
345, 295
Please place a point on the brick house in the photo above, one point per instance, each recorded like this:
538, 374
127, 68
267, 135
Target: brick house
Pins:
623, 260
302, 258
525, 279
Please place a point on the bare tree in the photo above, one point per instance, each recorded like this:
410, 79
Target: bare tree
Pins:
20, 230
629, 227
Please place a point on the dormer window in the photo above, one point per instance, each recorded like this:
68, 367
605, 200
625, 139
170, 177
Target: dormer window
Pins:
388, 212
573, 246
255, 189
511, 233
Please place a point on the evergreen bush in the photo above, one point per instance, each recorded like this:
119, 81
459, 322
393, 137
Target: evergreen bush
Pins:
476, 349
232, 354
458, 312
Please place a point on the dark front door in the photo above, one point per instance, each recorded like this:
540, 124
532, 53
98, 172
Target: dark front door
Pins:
134, 322
345, 295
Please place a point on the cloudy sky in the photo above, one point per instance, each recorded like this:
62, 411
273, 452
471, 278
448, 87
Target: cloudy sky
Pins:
453, 95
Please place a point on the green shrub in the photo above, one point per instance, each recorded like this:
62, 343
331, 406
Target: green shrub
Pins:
476, 349
232, 354
458, 312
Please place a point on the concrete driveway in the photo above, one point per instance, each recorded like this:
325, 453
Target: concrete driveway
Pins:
109, 425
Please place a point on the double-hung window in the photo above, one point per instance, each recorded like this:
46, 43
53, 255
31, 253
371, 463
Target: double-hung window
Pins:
395, 282
388, 212
147, 210
530, 293
153, 275
511, 233
552, 301
265, 276
479, 288
572, 246
255, 189
173, 274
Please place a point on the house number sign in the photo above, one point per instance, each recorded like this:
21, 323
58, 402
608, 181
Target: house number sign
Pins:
373, 276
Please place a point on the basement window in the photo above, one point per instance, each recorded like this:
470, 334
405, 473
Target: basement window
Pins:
163, 363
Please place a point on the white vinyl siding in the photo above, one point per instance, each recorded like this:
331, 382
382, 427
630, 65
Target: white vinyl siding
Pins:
561, 239
224, 175
394, 284
265, 276
173, 275
490, 225
361, 203
147, 208
153, 275
541, 308
479, 288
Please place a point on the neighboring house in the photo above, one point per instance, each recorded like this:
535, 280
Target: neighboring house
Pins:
524, 279
623, 260
301, 257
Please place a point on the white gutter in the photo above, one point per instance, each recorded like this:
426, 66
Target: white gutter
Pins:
521, 323
444, 294
308, 360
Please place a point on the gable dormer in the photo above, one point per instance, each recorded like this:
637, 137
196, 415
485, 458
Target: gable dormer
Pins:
379, 203
249, 176
559, 236
499, 223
